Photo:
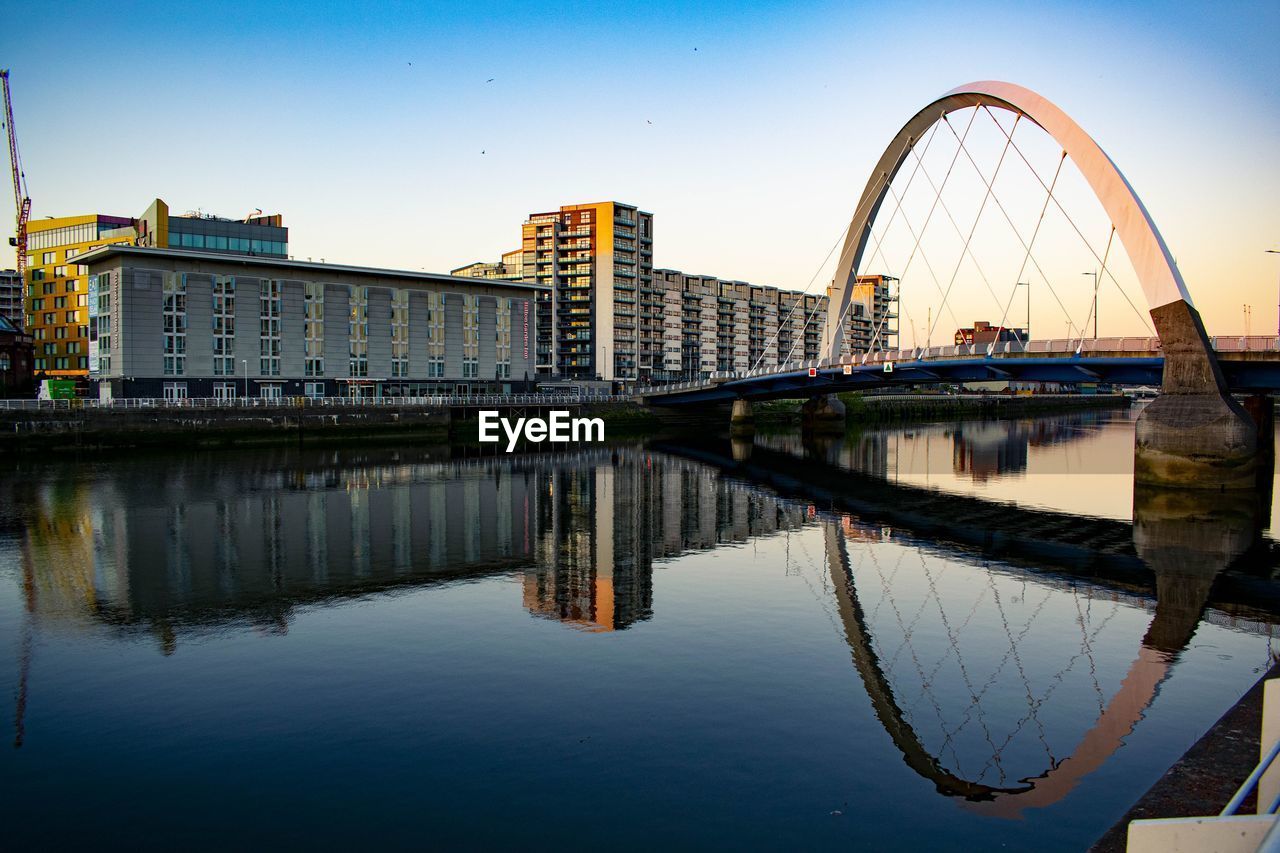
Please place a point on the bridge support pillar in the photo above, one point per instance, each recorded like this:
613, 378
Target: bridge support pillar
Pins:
1194, 435
742, 422
1187, 538
822, 415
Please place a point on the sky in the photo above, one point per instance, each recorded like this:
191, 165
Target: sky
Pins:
420, 135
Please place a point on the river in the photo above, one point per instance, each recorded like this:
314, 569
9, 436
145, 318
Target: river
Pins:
953, 636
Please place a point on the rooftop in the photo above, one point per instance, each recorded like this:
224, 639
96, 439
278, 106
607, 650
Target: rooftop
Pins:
251, 261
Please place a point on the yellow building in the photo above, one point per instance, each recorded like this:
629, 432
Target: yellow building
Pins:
55, 298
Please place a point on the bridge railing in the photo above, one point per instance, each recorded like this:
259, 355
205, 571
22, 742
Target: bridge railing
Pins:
1137, 346
432, 401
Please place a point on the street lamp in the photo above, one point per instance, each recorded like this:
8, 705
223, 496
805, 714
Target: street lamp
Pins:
1027, 285
1276, 252
245, 362
1095, 302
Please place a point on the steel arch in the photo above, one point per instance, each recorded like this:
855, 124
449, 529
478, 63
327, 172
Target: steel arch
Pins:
1157, 273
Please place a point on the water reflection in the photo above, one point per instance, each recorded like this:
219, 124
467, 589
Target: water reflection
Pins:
179, 544
1008, 651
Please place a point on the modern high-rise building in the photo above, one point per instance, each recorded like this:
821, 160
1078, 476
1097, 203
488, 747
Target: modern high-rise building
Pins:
11, 297
608, 313
56, 294
595, 320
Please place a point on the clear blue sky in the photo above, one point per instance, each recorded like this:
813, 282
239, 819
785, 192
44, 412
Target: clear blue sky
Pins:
766, 119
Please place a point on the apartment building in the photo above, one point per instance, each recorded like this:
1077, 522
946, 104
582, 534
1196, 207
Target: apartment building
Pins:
608, 313
11, 297
56, 294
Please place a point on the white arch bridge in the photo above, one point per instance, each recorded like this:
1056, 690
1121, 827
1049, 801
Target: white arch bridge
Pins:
1195, 433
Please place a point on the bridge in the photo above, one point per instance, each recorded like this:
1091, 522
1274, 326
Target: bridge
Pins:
1250, 364
1194, 434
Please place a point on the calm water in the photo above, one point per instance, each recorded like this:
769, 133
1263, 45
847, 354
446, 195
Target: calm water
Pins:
958, 636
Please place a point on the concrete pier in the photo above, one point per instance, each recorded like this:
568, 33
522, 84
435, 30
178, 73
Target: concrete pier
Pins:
823, 415
1194, 435
742, 422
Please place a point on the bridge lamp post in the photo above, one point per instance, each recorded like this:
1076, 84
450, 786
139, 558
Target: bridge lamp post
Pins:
1276, 252
1027, 285
1095, 302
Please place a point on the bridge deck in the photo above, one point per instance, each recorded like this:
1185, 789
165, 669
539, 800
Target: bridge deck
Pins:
1249, 364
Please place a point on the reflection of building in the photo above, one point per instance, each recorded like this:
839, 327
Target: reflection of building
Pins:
984, 450
602, 526
179, 546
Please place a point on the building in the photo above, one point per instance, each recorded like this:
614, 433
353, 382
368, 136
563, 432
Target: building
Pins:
56, 287
595, 317
607, 312
183, 323
510, 268
11, 297
16, 360
982, 332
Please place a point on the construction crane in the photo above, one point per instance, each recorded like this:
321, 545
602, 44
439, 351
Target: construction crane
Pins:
20, 197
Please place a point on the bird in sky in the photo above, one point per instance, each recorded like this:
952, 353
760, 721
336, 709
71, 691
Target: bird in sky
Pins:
481, 150
490, 80
646, 121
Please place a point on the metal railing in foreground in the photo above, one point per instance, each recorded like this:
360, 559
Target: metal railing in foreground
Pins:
1230, 830
427, 402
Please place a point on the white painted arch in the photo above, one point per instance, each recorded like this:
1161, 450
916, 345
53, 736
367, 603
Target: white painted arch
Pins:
1161, 282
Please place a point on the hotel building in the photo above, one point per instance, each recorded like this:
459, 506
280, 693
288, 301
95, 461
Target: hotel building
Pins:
56, 297
608, 313
178, 323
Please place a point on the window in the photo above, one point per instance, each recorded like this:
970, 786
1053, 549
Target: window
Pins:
224, 391
502, 335
435, 335
48, 257
470, 336
60, 333
400, 333
71, 316
313, 328
314, 390
60, 271
358, 332
270, 391
175, 391
269, 306
175, 325
224, 326
70, 286
73, 347
62, 363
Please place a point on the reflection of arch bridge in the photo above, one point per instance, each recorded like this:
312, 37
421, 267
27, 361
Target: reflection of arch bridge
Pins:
1199, 435
1188, 552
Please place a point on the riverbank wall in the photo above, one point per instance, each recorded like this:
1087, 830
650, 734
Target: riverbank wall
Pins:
76, 429
923, 408
86, 428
